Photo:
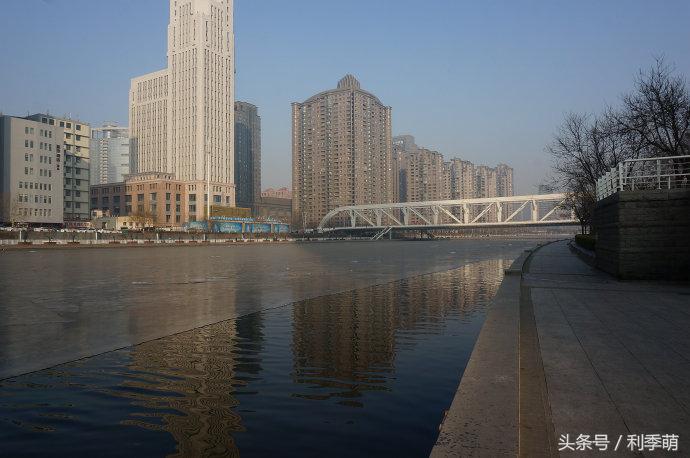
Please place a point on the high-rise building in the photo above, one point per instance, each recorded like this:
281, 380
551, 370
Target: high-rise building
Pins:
182, 118
31, 181
426, 176
462, 179
77, 169
247, 155
402, 146
504, 181
109, 154
485, 182
341, 152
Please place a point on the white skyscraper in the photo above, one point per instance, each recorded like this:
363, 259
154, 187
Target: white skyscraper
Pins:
182, 118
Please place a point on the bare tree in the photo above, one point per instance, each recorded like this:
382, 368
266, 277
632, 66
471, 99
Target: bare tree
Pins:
657, 113
12, 210
584, 149
145, 218
652, 121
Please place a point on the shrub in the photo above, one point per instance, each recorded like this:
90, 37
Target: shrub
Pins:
586, 241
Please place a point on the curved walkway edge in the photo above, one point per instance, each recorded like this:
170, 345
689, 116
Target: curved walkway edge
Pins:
567, 352
483, 418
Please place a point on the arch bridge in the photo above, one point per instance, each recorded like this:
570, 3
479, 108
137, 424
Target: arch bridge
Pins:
534, 210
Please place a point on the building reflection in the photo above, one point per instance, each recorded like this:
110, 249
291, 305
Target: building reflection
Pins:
345, 344
185, 384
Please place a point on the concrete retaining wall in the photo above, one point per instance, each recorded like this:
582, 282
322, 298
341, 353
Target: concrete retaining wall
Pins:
644, 234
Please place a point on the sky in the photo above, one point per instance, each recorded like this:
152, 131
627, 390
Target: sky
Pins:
486, 81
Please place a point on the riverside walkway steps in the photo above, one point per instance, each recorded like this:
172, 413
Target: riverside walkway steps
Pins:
567, 350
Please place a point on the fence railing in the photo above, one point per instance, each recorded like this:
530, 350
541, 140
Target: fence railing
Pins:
641, 174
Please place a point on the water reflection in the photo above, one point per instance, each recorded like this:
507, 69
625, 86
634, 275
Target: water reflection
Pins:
345, 369
346, 343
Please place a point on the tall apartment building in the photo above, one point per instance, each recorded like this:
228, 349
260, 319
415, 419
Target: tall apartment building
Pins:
182, 118
485, 182
109, 154
463, 180
77, 166
341, 152
504, 181
247, 155
402, 146
428, 178
31, 181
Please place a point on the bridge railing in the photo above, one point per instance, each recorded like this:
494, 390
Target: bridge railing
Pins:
671, 172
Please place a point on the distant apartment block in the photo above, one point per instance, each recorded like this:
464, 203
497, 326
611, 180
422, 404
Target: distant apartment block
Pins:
77, 159
247, 155
276, 208
31, 175
341, 152
181, 118
109, 154
280, 193
423, 175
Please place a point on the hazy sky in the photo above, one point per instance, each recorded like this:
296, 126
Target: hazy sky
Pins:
487, 81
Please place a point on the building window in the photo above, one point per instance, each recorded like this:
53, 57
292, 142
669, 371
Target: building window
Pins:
78, 126
140, 197
192, 197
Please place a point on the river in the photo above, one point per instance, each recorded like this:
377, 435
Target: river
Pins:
312, 349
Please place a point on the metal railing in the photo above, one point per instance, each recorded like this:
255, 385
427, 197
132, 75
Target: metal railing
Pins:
646, 174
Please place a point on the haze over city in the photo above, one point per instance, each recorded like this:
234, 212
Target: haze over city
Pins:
488, 84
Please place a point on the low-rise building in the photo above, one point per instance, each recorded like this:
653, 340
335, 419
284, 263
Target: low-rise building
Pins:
30, 172
276, 208
155, 199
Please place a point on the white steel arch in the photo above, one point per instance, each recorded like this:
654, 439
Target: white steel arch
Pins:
534, 210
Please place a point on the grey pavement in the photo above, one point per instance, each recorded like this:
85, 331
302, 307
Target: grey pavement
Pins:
615, 355
60, 305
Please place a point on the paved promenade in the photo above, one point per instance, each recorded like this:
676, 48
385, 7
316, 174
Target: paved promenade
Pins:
595, 356
615, 355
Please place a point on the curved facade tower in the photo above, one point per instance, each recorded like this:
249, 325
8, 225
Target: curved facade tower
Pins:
341, 152
182, 118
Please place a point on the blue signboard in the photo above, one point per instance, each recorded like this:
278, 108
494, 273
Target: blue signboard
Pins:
228, 227
261, 228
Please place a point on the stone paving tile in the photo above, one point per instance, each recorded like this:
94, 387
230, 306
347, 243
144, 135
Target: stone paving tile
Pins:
615, 354
579, 402
630, 384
